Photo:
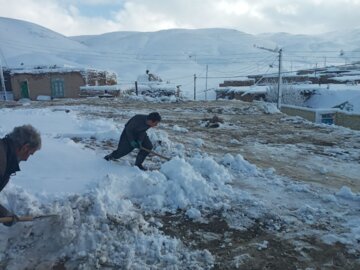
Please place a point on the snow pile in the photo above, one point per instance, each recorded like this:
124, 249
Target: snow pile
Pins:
179, 129
94, 230
268, 108
238, 163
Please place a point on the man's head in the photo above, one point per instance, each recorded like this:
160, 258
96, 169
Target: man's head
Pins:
26, 140
153, 119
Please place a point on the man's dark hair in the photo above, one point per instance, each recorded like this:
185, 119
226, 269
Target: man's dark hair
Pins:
25, 134
154, 116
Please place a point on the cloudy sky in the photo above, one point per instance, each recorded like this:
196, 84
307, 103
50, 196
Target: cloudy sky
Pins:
82, 17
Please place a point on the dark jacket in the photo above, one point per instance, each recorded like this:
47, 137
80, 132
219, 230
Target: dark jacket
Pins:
8, 161
136, 127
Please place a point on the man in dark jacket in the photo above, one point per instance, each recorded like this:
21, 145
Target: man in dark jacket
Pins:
134, 136
16, 146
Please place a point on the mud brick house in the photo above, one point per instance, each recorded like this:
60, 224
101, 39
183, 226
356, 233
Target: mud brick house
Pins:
54, 81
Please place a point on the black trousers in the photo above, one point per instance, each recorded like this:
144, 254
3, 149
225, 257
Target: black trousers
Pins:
124, 148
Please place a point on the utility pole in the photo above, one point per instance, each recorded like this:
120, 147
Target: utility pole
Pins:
194, 86
280, 80
206, 82
279, 51
2, 80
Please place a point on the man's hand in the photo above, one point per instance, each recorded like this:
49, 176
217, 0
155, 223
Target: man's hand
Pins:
6, 213
139, 144
15, 219
136, 144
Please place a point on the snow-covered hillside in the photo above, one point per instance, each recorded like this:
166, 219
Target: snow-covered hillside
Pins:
30, 44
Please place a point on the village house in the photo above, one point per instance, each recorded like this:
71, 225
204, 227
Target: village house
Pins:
253, 87
247, 94
53, 82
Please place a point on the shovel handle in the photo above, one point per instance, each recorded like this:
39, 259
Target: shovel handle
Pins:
154, 153
24, 218
11, 219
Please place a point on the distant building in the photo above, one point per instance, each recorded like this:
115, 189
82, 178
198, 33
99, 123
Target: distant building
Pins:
246, 82
55, 82
240, 89
241, 93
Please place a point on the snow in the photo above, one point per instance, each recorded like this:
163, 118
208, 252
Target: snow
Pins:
76, 178
334, 94
93, 197
179, 129
108, 211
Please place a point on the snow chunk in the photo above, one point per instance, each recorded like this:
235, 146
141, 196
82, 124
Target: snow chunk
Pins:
179, 129
238, 163
346, 193
193, 213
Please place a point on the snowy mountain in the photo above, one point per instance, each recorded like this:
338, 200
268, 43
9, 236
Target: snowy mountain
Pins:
180, 44
31, 44
176, 54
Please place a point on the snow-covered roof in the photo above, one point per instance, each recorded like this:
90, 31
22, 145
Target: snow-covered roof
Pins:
50, 69
258, 89
115, 87
45, 69
347, 78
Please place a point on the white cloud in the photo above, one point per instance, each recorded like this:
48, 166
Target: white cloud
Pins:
288, 9
252, 16
140, 17
53, 15
236, 8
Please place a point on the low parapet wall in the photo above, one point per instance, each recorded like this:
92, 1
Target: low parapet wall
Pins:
299, 111
337, 116
348, 120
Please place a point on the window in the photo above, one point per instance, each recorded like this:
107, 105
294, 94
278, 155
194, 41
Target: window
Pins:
327, 118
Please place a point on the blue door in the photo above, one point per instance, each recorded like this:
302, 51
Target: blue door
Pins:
57, 88
24, 89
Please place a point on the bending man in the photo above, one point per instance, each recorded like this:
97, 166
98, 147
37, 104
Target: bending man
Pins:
16, 146
134, 136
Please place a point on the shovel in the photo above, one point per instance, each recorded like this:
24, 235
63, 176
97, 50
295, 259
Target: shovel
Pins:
154, 153
25, 218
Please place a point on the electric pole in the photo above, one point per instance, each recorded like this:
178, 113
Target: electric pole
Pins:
280, 80
194, 86
206, 82
2, 80
279, 51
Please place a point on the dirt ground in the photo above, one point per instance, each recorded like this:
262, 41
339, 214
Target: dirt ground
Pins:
258, 136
